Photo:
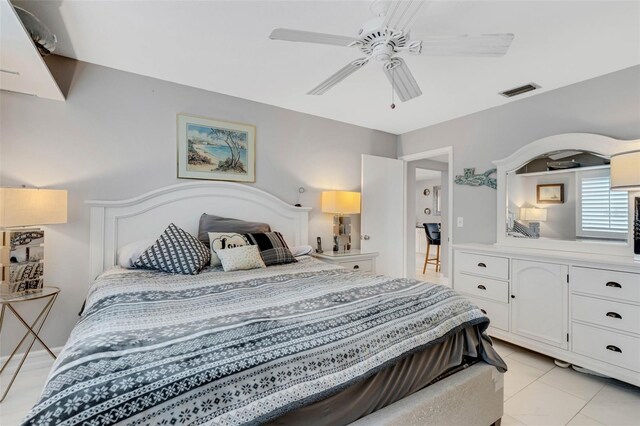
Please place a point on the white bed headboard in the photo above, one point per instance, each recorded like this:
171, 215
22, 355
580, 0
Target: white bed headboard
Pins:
117, 223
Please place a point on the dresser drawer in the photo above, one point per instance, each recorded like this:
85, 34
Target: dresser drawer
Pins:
616, 315
488, 266
608, 346
358, 266
497, 312
483, 287
618, 285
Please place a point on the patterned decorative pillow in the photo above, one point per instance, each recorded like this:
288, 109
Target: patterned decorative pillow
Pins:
240, 258
222, 241
273, 248
175, 251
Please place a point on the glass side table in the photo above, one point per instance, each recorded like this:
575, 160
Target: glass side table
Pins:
7, 301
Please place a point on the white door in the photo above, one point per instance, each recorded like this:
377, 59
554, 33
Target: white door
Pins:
539, 293
382, 214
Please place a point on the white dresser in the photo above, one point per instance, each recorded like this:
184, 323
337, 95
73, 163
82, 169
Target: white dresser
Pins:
576, 307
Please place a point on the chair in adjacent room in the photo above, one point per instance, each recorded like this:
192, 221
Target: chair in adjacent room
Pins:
433, 239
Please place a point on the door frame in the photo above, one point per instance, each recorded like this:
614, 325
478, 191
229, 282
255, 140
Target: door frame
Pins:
425, 155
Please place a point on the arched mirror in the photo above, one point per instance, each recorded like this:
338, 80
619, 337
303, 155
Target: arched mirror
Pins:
554, 193
565, 195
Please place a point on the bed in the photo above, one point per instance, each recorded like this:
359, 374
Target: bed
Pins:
300, 343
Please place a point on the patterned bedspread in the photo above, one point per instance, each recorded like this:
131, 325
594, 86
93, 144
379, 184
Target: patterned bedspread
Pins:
237, 347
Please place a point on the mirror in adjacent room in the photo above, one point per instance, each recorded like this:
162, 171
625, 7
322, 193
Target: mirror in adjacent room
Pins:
437, 200
565, 195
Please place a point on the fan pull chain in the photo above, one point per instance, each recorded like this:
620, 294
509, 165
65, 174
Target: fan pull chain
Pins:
393, 85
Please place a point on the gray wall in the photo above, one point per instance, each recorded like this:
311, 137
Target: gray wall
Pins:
607, 105
423, 201
115, 138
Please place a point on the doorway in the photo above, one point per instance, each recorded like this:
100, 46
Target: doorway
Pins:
428, 200
428, 213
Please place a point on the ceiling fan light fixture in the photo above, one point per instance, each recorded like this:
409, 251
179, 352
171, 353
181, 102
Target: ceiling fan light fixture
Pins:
386, 36
336, 78
401, 79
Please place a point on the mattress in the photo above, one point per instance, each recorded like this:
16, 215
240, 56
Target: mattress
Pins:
403, 378
248, 347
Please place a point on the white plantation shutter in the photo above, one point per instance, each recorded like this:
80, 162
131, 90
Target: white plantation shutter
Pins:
602, 213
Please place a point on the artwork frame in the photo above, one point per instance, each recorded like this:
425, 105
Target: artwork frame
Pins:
202, 141
552, 193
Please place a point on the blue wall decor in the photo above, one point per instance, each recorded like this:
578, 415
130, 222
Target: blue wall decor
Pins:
472, 179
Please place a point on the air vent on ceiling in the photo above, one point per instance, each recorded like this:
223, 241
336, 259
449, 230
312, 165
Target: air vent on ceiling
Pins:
519, 90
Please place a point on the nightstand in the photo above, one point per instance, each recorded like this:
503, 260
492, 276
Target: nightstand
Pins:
353, 259
32, 329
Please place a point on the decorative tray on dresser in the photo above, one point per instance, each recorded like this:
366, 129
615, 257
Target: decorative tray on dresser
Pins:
577, 307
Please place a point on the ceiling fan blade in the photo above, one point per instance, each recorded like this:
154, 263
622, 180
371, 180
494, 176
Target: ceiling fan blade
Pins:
401, 14
402, 80
338, 76
480, 45
310, 37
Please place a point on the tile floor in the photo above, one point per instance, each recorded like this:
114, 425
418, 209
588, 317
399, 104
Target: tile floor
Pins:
26, 389
431, 276
537, 392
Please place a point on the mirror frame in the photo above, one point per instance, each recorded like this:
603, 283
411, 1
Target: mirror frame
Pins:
567, 141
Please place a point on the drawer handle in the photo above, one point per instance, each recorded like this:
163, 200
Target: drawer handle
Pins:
614, 315
613, 284
481, 265
481, 287
614, 349
356, 266
483, 311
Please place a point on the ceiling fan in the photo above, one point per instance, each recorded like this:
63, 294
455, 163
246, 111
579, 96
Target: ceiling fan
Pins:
386, 36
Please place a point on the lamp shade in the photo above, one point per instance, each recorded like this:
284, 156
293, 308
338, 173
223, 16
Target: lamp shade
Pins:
533, 214
625, 171
340, 202
30, 207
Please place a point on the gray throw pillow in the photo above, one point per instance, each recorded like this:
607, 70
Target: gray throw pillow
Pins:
211, 223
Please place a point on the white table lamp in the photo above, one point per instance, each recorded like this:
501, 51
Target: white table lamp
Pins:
32, 207
534, 216
22, 212
341, 203
625, 176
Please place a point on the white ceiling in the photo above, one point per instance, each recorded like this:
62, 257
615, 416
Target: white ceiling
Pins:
224, 47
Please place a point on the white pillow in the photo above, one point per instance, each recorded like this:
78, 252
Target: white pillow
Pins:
240, 258
127, 255
301, 250
224, 240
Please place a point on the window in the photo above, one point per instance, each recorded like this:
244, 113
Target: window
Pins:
602, 213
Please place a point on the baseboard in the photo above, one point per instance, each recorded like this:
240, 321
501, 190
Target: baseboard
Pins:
34, 356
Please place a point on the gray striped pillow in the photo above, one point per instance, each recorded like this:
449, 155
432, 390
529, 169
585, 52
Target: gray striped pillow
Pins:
175, 251
273, 247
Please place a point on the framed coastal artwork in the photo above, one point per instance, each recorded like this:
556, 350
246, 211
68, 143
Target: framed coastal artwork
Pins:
550, 193
216, 150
